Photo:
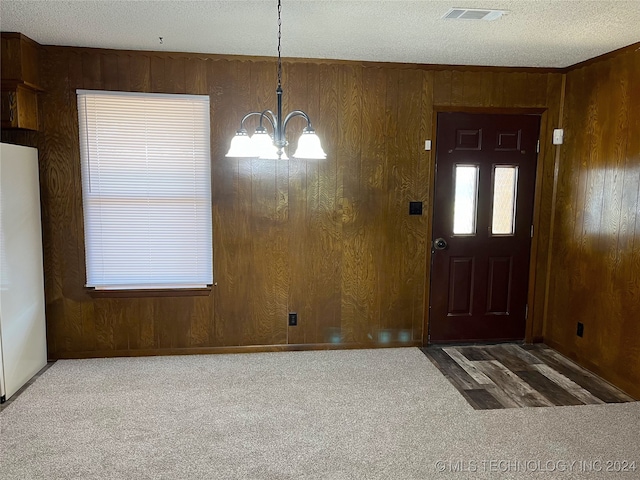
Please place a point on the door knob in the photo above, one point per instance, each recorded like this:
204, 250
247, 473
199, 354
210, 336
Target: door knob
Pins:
440, 244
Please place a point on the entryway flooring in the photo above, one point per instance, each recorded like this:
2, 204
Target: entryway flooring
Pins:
512, 376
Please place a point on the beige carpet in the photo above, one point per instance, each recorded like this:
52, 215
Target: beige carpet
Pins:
353, 414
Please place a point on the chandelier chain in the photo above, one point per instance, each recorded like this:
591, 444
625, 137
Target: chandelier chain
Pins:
262, 144
279, 37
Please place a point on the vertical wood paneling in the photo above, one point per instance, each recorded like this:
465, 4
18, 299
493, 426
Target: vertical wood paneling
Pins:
201, 325
596, 275
228, 244
79, 77
140, 65
92, 74
333, 239
498, 89
249, 294
195, 75
545, 175
110, 71
411, 230
472, 88
268, 194
327, 263
486, 88
628, 238
174, 74
391, 249
373, 186
424, 171
329, 239
516, 92
300, 241
112, 318
615, 118
124, 73
442, 87
457, 88
571, 187
63, 185
353, 329
315, 294
420, 244
157, 74
85, 72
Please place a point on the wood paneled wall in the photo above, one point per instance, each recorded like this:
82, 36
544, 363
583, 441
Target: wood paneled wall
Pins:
595, 275
331, 240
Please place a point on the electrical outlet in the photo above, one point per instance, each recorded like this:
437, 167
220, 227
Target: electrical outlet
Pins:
293, 319
580, 331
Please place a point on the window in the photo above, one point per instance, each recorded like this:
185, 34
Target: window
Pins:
465, 199
146, 189
505, 181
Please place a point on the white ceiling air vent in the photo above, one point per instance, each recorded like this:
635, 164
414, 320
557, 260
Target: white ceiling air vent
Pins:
473, 14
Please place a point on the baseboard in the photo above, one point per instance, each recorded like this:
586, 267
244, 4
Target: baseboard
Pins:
225, 350
627, 387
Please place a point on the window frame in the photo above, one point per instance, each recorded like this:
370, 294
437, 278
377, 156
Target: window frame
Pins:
203, 265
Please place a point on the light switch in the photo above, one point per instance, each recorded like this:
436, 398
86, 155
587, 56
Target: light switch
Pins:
415, 208
427, 144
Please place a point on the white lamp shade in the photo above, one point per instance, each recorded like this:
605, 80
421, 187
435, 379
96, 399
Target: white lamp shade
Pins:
309, 147
241, 146
263, 147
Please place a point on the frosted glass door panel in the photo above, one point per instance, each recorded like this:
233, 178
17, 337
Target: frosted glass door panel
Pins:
505, 181
465, 200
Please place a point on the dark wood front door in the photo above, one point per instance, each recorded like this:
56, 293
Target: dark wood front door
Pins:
483, 209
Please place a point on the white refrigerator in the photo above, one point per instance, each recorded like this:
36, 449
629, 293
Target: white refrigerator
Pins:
23, 347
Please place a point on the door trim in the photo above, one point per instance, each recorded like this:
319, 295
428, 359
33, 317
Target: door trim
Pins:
537, 202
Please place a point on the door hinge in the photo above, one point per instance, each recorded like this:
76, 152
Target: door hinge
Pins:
538, 147
526, 311
531, 231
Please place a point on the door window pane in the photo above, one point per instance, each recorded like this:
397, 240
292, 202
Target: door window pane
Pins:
505, 181
465, 199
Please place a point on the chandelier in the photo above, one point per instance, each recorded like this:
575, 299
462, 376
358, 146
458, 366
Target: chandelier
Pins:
263, 145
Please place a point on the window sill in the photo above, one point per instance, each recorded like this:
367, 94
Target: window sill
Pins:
156, 292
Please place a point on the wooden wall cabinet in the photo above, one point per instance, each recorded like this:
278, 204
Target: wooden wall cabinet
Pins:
20, 82
19, 107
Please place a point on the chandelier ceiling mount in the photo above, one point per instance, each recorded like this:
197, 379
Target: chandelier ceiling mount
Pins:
263, 145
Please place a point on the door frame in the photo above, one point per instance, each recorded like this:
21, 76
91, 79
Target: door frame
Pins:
536, 241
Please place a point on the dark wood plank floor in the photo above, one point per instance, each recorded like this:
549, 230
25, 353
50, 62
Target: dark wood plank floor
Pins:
511, 376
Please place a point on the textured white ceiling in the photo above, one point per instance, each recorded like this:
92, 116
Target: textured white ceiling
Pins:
535, 33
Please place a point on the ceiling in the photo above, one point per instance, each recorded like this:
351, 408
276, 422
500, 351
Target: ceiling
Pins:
534, 33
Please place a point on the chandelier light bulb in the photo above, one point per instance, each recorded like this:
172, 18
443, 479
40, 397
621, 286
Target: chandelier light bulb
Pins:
262, 145
309, 146
240, 145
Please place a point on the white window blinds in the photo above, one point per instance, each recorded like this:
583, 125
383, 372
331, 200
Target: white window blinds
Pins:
146, 186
